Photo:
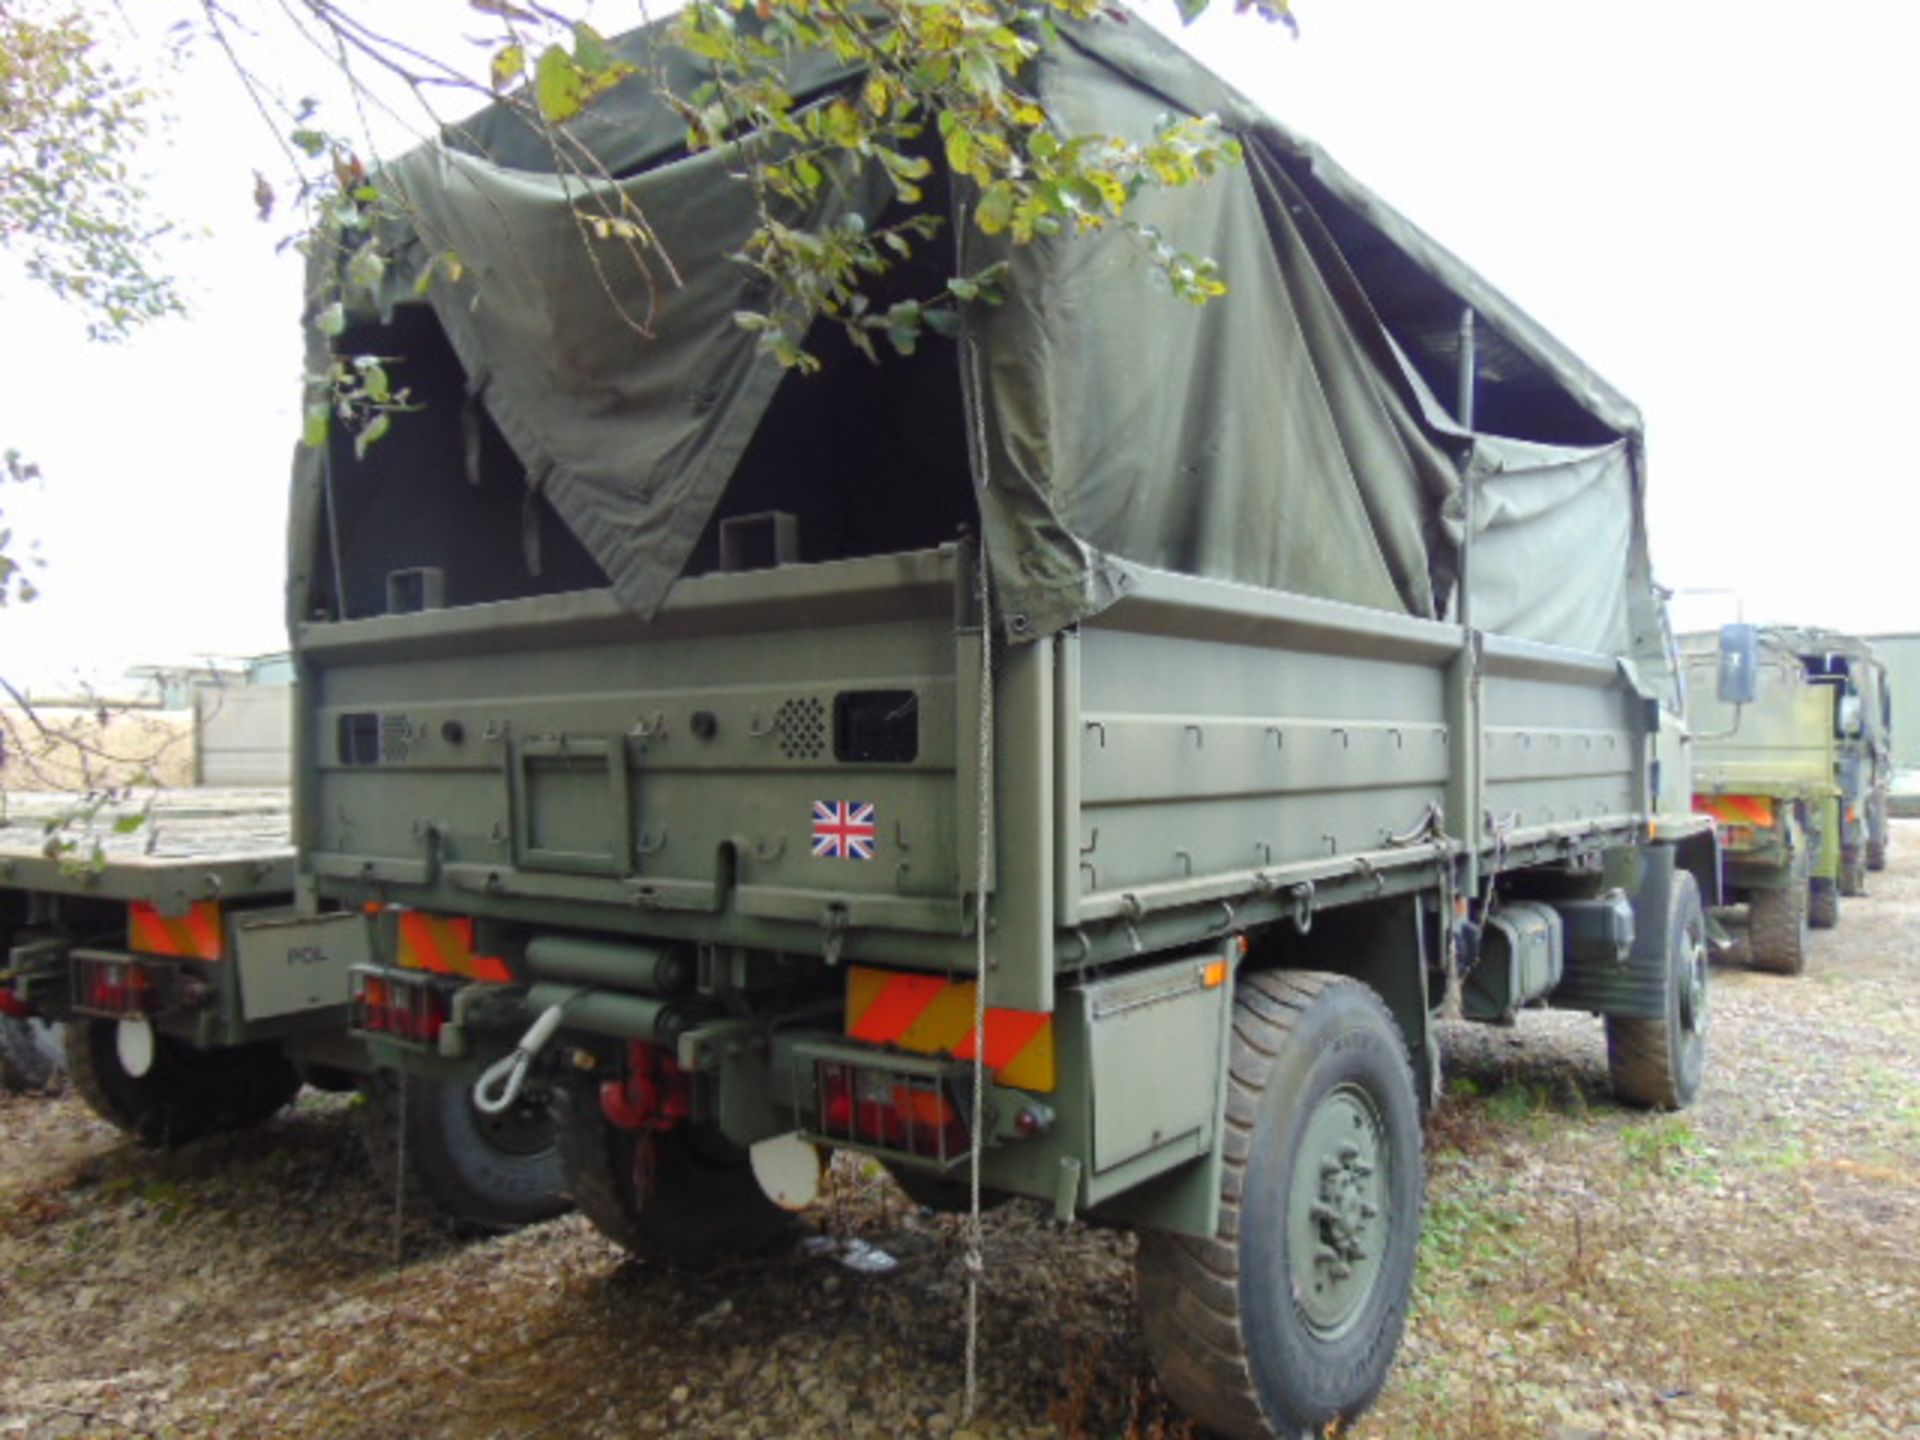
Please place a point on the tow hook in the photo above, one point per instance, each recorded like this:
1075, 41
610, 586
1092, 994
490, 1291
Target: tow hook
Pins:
655, 1094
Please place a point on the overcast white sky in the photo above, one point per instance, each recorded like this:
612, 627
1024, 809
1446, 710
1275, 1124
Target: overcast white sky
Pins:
1712, 201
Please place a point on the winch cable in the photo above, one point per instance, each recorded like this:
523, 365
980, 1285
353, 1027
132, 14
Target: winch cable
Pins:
975, 1254
499, 1086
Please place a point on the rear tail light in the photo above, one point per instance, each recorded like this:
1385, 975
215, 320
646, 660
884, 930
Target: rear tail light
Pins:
395, 1006
13, 1007
116, 988
890, 1109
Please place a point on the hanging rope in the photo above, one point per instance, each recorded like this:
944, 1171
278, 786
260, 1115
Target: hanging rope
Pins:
976, 1255
400, 1175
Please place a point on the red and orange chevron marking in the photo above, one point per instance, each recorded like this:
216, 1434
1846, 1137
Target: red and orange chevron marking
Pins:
931, 1016
1736, 809
196, 935
443, 945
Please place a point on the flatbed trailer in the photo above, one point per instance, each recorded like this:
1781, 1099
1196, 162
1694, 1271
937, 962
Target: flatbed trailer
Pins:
150, 933
159, 937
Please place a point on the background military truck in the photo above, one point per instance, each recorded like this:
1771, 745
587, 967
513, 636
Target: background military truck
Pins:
159, 947
1900, 654
1085, 757
1767, 771
1863, 745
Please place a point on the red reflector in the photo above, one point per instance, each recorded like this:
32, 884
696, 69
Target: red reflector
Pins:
890, 1110
114, 987
400, 1009
12, 1006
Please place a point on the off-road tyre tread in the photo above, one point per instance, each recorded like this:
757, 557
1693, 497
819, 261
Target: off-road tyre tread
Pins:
25, 1068
1777, 929
380, 1117
187, 1095
1823, 906
1640, 1060
1876, 855
1853, 877
1189, 1288
735, 1218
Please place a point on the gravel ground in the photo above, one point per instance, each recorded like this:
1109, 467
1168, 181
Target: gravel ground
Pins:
1749, 1268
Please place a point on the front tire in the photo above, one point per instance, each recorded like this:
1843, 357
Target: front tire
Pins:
1777, 928
1287, 1321
489, 1172
1658, 1063
683, 1197
185, 1094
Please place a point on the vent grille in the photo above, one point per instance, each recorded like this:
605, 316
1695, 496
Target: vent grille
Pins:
802, 727
396, 738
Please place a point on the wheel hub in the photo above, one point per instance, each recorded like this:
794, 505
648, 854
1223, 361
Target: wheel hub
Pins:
1336, 1230
1693, 988
523, 1128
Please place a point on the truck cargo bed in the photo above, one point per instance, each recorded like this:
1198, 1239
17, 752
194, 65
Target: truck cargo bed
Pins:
194, 845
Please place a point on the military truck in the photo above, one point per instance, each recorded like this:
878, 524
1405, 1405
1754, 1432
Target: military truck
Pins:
1768, 772
158, 945
1863, 743
1863, 719
1901, 656
1082, 761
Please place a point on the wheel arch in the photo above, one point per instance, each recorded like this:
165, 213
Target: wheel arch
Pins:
1392, 945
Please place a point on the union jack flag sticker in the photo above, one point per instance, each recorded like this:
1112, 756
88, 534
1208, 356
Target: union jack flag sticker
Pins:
843, 829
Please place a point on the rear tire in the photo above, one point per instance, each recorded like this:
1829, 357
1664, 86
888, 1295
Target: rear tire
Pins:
31, 1058
488, 1172
186, 1094
1823, 904
1877, 835
1287, 1321
680, 1197
1853, 877
1658, 1063
1777, 929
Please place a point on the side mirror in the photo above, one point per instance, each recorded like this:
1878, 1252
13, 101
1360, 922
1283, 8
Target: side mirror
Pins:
1739, 665
1849, 715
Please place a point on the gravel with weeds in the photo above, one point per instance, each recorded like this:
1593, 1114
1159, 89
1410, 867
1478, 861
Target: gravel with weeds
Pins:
1748, 1268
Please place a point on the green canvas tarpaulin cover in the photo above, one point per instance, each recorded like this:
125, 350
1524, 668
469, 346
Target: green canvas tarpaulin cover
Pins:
1287, 436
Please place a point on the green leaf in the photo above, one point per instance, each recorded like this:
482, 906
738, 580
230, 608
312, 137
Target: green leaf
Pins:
591, 51
127, 824
367, 268
318, 421
996, 208
368, 437
559, 88
959, 149
509, 64
333, 319
310, 142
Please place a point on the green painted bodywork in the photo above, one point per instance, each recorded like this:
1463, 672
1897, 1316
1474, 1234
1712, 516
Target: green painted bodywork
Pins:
1201, 761
1781, 747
